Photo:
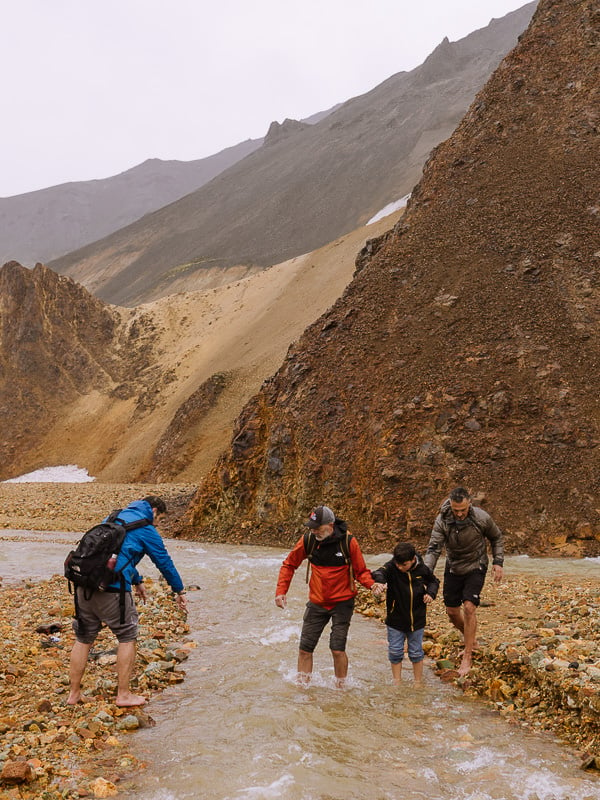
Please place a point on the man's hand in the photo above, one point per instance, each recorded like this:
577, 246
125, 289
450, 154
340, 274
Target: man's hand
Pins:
140, 591
378, 589
281, 601
181, 601
498, 572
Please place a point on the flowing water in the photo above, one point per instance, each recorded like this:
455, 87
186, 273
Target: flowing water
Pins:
240, 728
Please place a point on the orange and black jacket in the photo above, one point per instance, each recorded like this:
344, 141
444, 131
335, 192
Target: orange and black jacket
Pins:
330, 580
406, 610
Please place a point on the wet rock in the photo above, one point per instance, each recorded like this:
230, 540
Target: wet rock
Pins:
128, 723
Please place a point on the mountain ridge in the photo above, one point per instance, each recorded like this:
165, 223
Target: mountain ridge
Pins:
306, 188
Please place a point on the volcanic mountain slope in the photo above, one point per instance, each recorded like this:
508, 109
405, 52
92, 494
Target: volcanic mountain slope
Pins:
148, 393
46, 224
306, 186
467, 349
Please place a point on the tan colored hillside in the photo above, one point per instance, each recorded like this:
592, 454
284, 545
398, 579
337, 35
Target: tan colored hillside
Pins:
209, 351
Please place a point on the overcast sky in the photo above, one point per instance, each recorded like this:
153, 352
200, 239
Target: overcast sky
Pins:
94, 87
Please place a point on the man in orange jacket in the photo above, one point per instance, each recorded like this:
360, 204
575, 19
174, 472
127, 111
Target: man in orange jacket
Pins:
336, 561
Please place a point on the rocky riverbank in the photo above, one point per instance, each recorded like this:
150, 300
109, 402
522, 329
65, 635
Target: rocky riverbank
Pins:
52, 750
538, 656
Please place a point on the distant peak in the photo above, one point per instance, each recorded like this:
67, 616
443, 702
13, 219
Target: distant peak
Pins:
278, 131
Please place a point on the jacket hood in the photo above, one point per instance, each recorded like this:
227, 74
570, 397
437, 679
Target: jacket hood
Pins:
340, 529
142, 507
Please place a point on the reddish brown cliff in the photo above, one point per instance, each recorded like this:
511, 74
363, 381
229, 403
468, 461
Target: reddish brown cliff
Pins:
466, 350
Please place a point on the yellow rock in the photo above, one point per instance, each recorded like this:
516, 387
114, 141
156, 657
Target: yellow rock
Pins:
103, 788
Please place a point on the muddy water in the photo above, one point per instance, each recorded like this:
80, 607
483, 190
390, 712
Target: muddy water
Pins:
239, 727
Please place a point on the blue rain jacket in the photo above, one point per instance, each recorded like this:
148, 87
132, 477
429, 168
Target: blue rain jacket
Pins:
141, 542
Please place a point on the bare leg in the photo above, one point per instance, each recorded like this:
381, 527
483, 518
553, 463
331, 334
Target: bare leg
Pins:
79, 657
469, 632
418, 673
340, 667
125, 661
456, 618
305, 666
397, 673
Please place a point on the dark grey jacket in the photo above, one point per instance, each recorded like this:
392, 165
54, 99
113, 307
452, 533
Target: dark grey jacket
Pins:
466, 547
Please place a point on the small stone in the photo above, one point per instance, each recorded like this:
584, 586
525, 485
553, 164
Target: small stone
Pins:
128, 723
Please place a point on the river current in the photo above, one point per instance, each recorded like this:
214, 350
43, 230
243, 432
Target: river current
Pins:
239, 728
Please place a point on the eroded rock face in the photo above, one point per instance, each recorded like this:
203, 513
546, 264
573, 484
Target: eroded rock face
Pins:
466, 349
59, 343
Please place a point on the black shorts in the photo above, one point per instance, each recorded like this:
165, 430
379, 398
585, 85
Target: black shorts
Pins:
458, 588
316, 618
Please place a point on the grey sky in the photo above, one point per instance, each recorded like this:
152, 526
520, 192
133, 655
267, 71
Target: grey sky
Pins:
94, 87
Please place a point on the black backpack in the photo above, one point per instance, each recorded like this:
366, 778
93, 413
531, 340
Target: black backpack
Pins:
91, 564
310, 541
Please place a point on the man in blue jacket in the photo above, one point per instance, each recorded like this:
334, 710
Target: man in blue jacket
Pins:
105, 606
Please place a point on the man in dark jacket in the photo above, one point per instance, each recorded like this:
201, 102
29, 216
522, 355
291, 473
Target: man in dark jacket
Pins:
464, 530
336, 560
104, 607
410, 587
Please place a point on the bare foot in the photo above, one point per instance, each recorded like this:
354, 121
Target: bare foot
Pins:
303, 678
74, 698
130, 700
465, 666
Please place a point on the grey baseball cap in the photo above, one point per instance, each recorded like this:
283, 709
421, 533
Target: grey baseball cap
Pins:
321, 515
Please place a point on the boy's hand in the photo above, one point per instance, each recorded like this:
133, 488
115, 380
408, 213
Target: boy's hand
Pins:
427, 598
378, 589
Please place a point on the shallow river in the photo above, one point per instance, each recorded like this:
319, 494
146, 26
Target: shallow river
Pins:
239, 727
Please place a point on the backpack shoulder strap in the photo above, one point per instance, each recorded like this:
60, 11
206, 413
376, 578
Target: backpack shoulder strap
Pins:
345, 542
129, 526
310, 541
345, 546
138, 523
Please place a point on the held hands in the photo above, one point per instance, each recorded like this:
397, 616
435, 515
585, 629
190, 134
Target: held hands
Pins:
427, 598
281, 601
378, 589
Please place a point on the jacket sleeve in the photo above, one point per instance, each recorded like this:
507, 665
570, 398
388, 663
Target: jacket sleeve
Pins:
432, 585
436, 543
361, 573
156, 550
289, 566
496, 539
380, 575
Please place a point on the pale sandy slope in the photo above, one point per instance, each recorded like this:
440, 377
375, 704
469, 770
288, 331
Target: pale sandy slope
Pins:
244, 329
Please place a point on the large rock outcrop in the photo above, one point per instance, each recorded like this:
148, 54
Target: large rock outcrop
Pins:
466, 350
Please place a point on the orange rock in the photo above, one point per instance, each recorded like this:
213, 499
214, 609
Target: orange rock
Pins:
17, 772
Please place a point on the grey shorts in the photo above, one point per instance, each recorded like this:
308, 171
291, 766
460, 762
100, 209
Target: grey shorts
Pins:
103, 607
316, 618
